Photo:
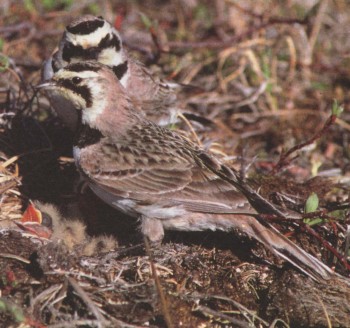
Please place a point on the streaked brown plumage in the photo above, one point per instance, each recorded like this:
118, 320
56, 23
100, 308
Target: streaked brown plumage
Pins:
155, 174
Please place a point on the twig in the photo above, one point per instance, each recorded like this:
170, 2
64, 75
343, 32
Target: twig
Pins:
241, 307
156, 42
98, 280
216, 44
218, 316
48, 294
120, 252
193, 132
15, 257
163, 301
254, 96
75, 323
305, 227
284, 160
16, 28
8, 185
93, 323
328, 320
318, 23
326, 244
88, 301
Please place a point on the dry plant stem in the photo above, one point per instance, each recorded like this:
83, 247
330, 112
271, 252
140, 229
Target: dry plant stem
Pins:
47, 294
193, 132
220, 10
15, 257
163, 301
87, 300
262, 18
284, 160
155, 40
119, 253
329, 323
240, 307
75, 323
318, 23
216, 44
305, 227
79, 275
8, 186
326, 244
92, 323
16, 28
218, 316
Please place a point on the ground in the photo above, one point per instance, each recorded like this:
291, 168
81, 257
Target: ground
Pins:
267, 75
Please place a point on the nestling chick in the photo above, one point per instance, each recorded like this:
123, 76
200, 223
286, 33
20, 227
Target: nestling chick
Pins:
45, 221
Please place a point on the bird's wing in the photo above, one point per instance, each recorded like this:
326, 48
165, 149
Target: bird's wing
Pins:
148, 175
149, 88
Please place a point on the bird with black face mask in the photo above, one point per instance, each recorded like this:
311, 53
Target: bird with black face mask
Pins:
93, 38
157, 175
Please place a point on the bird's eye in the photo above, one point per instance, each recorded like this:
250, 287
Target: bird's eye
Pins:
46, 220
76, 80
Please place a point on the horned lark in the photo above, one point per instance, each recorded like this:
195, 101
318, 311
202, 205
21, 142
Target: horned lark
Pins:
154, 174
93, 38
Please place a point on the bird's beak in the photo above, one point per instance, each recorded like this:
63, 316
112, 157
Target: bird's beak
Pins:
31, 214
31, 223
46, 85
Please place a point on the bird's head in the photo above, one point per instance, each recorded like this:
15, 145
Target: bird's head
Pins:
36, 222
95, 93
92, 38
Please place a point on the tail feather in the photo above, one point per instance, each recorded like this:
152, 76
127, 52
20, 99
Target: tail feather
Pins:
271, 238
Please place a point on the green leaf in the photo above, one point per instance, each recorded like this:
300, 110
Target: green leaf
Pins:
336, 109
312, 222
94, 8
12, 309
146, 21
53, 4
311, 204
4, 63
29, 6
319, 86
17, 314
48, 4
2, 305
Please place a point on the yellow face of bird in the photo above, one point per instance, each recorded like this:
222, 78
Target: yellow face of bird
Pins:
87, 86
75, 86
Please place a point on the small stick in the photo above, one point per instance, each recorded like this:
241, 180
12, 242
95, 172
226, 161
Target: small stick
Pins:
15, 257
88, 301
283, 161
163, 301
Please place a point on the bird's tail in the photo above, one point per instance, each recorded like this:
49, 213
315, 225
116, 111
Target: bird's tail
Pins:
271, 238
267, 235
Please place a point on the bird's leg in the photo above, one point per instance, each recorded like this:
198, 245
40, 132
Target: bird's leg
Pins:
153, 229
